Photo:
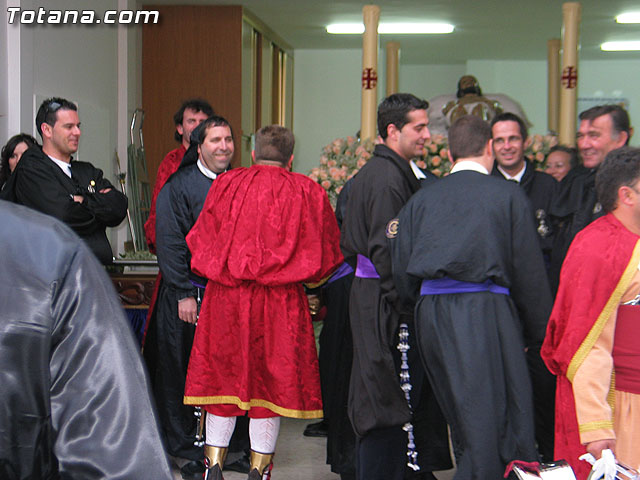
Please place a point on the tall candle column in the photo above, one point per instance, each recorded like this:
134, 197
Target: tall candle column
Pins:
371, 16
569, 80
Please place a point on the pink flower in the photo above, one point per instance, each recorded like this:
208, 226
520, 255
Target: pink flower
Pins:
332, 163
444, 153
351, 140
421, 164
323, 160
326, 184
361, 162
437, 139
435, 161
336, 149
433, 148
437, 172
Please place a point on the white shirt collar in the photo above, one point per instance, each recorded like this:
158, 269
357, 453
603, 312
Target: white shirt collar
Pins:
416, 170
517, 177
469, 165
64, 166
205, 171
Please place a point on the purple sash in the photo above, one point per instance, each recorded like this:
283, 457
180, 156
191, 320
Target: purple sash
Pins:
342, 271
196, 284
365, 268
449, 285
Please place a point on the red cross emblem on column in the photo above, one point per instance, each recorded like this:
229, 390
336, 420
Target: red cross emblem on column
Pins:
570, 77
369, 78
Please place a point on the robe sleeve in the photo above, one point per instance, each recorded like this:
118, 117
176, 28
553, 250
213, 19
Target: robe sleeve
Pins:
530, 286
109, 209
172, 250
400, 234
384, 207
101, 409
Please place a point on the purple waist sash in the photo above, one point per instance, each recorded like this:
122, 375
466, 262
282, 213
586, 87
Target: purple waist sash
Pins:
449, 285
196, 284
342, 271
365, 268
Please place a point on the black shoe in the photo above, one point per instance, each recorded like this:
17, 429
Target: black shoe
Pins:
192, 470
319, 429
241, 465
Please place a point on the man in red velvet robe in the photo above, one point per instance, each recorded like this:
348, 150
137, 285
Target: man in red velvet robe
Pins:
262, 232
593, 339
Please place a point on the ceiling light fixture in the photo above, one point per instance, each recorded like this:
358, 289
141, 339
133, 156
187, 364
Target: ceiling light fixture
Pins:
629, 17
620, 46
392, 28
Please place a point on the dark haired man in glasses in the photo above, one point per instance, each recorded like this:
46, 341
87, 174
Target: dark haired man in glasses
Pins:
50, 181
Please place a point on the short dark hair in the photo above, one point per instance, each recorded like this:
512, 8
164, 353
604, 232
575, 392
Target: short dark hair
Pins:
574, 159
200, 132
195, 104
621, 168
393, 110
619, 118
468, 136
511, 117
48, 111
275, 143
7, 152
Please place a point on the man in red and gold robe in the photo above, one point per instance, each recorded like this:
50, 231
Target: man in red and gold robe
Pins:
593, 339
263, 232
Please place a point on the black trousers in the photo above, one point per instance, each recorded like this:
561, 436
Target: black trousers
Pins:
381, 454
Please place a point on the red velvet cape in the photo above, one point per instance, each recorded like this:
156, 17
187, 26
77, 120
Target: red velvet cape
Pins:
167, 167
595, 274
262, 232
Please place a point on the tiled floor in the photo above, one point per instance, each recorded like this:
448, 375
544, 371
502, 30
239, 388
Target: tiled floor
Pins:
301, 458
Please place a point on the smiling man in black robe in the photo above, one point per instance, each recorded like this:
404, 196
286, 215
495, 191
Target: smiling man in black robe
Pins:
170, 336
377, 405
467, 249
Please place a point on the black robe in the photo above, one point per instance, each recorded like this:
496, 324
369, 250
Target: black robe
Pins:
37, 182
376, 400
541, 189
74, 395
473, 227
575, 207
169, 339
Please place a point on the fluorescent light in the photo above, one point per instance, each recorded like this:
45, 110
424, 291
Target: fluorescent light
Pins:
620, 46
629, 17
395, 28
345, 28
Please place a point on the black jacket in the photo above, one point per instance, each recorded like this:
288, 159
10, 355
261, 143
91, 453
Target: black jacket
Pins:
74, 396
38, 183
541, 189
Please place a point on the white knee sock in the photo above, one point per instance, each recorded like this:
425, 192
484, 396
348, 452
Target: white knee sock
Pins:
219, 430
263, 434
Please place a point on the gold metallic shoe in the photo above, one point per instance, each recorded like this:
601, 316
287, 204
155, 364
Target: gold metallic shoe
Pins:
261, 464
213, 462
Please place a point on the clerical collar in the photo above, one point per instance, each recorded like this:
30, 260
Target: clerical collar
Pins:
463, 165
517, 177
64, 166
205, 171
416, 170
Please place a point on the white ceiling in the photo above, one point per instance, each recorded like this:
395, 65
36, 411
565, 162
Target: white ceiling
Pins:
485, 29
